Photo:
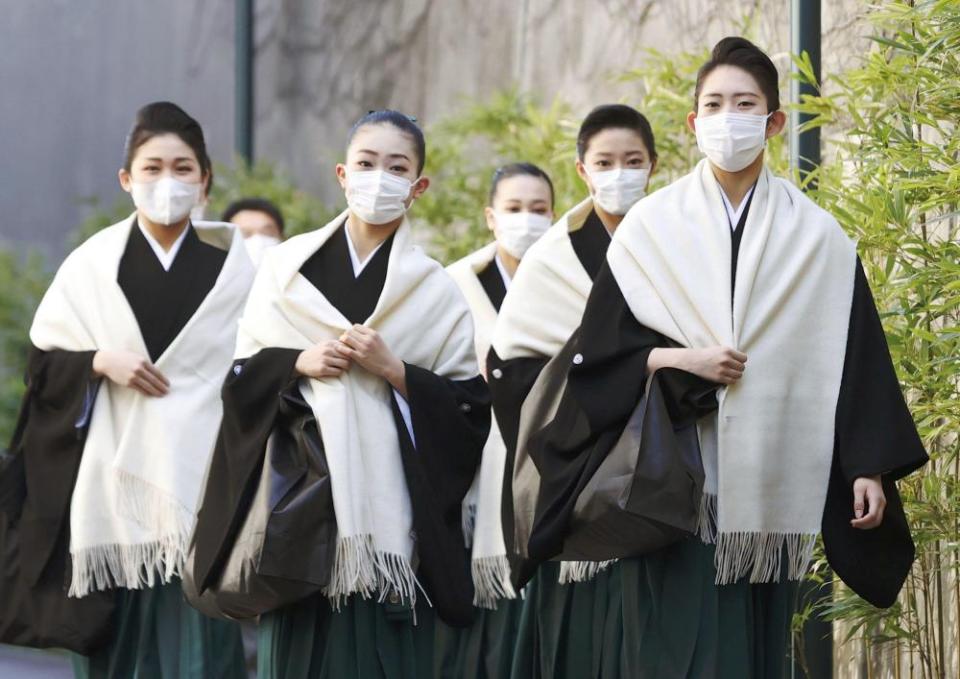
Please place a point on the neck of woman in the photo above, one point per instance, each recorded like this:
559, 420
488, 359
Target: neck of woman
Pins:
165, 234
736, 184
610, 222
509, 262
366, 237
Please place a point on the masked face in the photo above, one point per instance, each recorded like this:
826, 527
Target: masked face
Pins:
166, 200
377, 197
257, 245
616, 191
732, 140
165, 179
517, 231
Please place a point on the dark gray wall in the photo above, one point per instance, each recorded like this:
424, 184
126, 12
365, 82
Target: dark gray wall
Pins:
72, 75
73, 72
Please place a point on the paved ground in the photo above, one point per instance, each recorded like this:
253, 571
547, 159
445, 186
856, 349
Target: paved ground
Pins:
26, 663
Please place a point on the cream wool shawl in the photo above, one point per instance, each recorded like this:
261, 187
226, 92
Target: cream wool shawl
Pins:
483, 527
141, 475
542, 308
767, 451
424, 320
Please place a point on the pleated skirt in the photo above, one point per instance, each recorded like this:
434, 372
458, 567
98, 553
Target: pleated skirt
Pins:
157, 635
656, 617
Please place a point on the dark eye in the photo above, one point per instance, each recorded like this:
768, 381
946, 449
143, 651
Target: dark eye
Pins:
540, 211
364, 163
398, 169
633, 162
602, 163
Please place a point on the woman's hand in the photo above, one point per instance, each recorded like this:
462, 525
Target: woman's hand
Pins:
325, 359
367, 348
868, 496
129, 369
717, 364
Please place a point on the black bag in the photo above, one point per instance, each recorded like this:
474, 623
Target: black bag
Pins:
646, 493
286, 544
643, 496
35, 609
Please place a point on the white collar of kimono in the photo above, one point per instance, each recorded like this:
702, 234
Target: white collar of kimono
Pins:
734, 214
166, 257
359, 266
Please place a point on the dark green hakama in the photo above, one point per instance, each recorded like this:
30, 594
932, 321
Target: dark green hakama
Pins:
158, 635
364, 639
656, 617
484, 650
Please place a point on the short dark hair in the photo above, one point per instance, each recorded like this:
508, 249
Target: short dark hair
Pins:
615, 116
164, 117
740, 52
515, 170
404, 123
257, 205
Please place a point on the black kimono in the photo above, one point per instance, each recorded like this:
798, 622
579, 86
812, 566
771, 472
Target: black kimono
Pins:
674, 620
450, 420
148, 629
515, 377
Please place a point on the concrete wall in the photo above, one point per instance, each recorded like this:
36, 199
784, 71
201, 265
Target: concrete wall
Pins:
72, 74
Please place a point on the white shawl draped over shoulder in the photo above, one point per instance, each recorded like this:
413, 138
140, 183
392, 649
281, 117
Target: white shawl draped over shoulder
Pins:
546, 299
144, 460
483, 525
423, 319
541, 310
767, 451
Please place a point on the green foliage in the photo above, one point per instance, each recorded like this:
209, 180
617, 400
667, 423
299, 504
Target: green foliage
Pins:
894, 184
301, 211
464, 151
22, 283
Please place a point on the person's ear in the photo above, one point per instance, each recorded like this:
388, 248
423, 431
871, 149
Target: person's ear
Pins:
341, 171
420, 186
206, 187
775, 124
691, 124
653, 167
126, 182
490, 216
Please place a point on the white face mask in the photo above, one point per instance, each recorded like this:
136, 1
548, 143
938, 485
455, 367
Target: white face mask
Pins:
517, 231
257, 244
616, 191
732, 140
377, 197
166, 200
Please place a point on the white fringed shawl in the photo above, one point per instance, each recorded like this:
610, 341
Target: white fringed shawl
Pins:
767, 451
140, 478
423, 318
483, 525
542, 308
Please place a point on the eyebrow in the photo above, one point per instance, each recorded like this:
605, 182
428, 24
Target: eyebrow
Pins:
735, 94
176, 160
629, 153
389, 155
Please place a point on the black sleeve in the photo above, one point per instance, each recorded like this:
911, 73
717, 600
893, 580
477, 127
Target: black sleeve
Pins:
51, 431
875, 433
252, 395
451, 421
606, 380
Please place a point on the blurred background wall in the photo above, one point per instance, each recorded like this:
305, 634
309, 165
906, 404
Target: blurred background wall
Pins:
72, 74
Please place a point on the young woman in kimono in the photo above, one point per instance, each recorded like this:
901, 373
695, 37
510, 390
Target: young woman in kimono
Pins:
131, 342
375, 337
519, 211
616, 154
749, 305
